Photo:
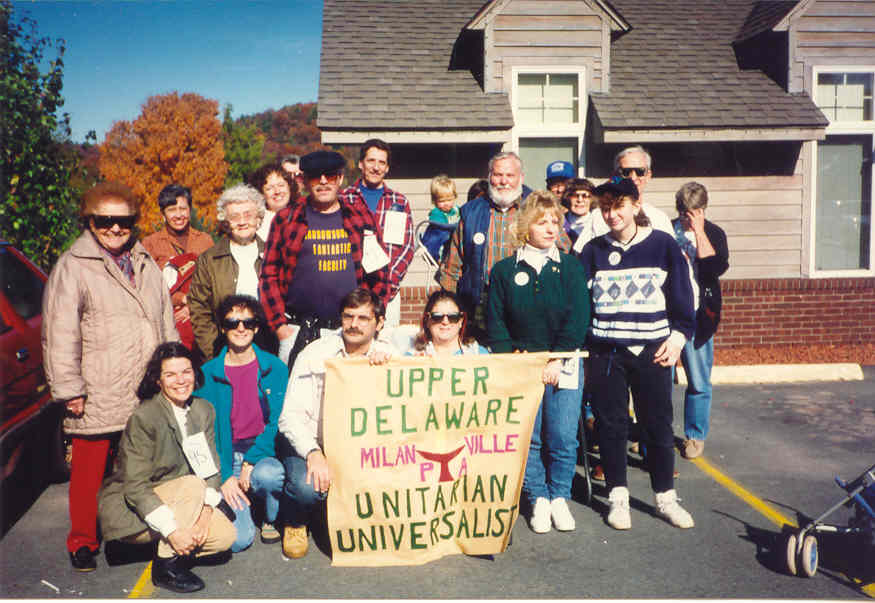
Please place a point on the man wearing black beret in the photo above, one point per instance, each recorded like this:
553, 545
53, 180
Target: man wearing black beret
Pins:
313, 257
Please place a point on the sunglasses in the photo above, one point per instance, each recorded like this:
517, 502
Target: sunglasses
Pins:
638, 171
230, 324
329, 176
438, 317
124, 222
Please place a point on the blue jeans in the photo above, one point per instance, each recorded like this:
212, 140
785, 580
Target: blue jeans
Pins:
300, 499
553, 452
266, 483
697, 398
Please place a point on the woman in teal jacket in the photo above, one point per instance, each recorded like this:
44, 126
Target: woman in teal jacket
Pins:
247, 385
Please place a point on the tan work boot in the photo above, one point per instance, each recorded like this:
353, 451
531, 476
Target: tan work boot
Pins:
295, 541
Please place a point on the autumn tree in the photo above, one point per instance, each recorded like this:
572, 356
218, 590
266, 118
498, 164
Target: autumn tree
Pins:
39, 209
176, 138
243, 147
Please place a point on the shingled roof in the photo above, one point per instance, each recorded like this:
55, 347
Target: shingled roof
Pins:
386, 66
677, 69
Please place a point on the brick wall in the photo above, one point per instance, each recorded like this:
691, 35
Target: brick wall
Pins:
768, 311
797, 311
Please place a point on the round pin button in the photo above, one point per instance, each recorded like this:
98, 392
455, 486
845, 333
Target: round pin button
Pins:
479, 238
521, 279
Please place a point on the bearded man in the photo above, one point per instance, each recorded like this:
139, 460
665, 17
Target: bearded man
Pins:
483, 238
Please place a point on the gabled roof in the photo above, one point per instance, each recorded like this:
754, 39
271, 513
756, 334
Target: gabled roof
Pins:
478, 21
764, 16
404, 81
676, 69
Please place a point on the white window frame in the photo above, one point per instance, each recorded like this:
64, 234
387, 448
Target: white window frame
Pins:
845, 127
572, 130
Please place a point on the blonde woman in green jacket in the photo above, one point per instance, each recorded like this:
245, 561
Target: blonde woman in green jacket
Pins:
539, 302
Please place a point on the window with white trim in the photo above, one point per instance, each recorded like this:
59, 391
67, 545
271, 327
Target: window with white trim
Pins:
549, 108
842, 228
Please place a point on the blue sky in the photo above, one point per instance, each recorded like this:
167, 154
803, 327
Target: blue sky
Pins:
254, 55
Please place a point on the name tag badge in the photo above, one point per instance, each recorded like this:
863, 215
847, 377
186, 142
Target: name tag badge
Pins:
394, 225
373, 255
197, 451
569, 376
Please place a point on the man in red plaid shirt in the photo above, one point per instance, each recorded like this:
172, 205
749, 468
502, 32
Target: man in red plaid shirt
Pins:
318, 251
392, 212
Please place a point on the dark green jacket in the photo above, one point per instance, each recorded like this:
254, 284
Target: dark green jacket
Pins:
150, 453
537, 312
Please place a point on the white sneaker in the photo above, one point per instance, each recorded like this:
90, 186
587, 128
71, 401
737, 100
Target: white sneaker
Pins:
561, 515
619, 516
667, 506
540, 519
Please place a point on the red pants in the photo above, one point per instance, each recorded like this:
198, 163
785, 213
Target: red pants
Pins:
86, 475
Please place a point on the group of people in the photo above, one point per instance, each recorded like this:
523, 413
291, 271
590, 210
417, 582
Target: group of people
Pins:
195, 371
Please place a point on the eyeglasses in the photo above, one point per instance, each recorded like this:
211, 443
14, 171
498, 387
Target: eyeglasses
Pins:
581, 195
638, 171
245, 217
329, 177
438, 317
124, 222
231, 324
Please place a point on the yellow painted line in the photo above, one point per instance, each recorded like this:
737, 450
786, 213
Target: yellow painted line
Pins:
743, 493
143, 589
760, 505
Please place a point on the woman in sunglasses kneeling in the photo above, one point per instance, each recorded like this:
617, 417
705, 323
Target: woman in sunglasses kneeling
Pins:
247, 386
105, 309
443, 329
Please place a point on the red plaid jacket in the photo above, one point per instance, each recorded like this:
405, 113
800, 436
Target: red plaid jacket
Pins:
400, 256
285, 242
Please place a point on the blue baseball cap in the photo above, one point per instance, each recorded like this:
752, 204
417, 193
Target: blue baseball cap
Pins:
560, 169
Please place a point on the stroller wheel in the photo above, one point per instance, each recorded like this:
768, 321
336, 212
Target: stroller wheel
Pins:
790, 558
808, 558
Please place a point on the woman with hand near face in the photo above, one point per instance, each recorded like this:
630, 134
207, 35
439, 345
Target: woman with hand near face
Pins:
443, 329
105, 308
165, 486
538, 302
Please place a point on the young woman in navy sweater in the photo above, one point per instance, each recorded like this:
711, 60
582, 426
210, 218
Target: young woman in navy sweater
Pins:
642, 314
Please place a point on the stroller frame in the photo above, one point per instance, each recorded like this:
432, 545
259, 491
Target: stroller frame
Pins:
802, 555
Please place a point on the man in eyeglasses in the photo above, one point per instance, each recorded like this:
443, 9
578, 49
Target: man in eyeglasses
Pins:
483, 238
308, 471
316, 253
635, 163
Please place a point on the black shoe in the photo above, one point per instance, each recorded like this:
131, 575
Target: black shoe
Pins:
84, 559
171, 573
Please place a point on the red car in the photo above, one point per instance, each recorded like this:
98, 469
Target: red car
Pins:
31, 431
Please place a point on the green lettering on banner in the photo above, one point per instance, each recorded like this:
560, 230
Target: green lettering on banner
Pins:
456, 380
439, 500
358, 506
463, 524
343, 548
476, 521
432, 529
363, 539
481, 374
397, 538
474, 417
478, 489
404, 427
381, 420
414, 375
511, 409
449, 524
387, 503
500, 486
389, 391
416, 536
454, 418
434, 375
492, 411
431, 418
353, 412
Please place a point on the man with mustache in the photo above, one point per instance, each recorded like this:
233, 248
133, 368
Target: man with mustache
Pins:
483, 238
314, 256
308, 471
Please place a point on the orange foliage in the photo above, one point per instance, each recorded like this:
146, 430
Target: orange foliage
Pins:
176, 138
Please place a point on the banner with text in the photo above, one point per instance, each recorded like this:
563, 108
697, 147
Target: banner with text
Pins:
427, 454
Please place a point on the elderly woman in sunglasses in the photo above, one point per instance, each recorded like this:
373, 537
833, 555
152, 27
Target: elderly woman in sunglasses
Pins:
247, 385
443, 329
105, 309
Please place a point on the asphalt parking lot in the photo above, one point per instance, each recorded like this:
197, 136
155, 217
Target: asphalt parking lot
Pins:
770, 459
